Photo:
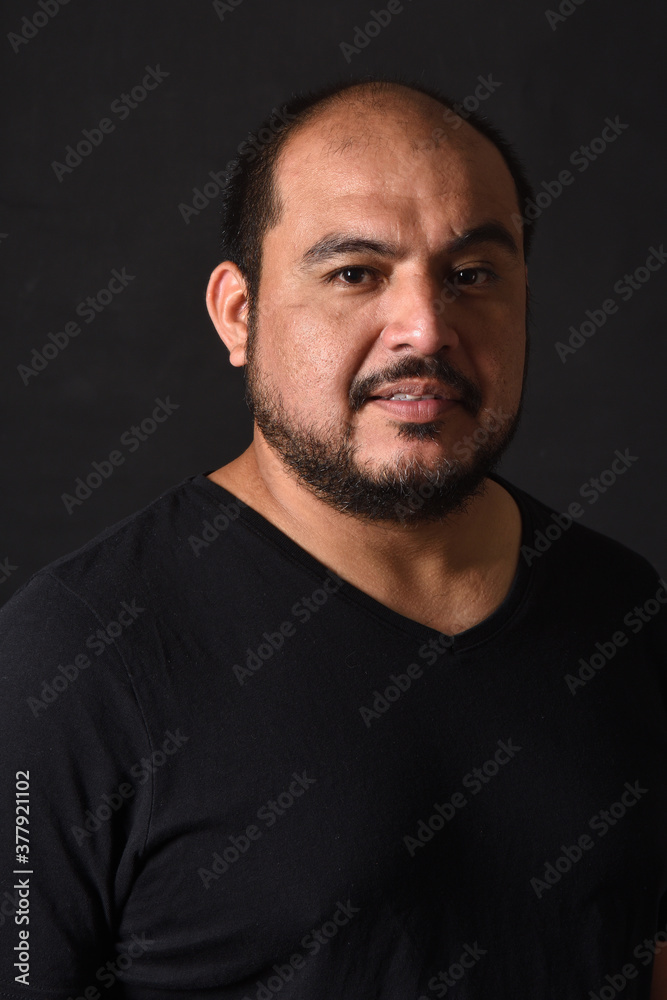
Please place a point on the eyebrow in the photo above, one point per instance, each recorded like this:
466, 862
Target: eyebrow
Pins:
339, 244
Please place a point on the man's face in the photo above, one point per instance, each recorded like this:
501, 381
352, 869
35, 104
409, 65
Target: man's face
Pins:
368, 289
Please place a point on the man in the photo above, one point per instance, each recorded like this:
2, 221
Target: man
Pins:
351, 716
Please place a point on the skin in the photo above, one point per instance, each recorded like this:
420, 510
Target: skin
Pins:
373, 170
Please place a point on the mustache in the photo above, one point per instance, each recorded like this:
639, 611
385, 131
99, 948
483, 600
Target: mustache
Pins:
417, 367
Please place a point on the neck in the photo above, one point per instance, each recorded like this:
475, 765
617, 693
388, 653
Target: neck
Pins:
475, 550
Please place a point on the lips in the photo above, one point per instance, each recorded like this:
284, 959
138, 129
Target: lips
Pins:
414, 389
418, 410
409, 396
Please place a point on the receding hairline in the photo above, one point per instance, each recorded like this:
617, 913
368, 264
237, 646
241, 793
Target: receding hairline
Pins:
373, 92
377, 94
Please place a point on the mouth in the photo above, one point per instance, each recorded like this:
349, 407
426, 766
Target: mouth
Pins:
419, 408
414, 390
406, 395
420, 400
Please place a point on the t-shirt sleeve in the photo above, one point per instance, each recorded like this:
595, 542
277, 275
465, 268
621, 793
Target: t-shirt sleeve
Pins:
73, 819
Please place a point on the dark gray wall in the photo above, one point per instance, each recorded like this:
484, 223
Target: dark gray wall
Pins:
557, 78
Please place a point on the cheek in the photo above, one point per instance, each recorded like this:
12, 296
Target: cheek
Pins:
505, 368
498, 356
305, 356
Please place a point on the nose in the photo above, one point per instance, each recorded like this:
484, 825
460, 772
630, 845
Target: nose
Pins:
419, 314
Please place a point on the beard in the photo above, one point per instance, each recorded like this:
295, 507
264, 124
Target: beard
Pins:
406, 491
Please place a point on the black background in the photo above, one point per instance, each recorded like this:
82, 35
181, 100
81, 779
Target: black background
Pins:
119, 208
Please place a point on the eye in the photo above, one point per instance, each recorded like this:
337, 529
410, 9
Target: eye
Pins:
350, 275
469, 276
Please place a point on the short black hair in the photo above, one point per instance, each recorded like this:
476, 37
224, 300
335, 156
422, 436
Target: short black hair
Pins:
250, 206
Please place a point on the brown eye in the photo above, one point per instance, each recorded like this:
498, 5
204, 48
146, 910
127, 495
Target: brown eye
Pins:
473, 276
353, 275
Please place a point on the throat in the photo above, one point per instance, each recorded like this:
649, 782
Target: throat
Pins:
458, 609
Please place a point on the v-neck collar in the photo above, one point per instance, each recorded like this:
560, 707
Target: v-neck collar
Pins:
479, 633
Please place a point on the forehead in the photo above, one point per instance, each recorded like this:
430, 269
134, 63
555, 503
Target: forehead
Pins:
399, 167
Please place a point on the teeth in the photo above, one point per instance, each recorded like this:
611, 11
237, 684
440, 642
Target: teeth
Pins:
404, 395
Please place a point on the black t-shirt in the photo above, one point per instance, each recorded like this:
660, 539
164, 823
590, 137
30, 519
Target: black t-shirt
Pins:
247, 778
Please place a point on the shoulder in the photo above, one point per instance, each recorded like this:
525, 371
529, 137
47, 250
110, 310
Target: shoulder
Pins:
560, 543
76, 607
125, 561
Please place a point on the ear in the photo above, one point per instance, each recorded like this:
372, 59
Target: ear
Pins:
227, 303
